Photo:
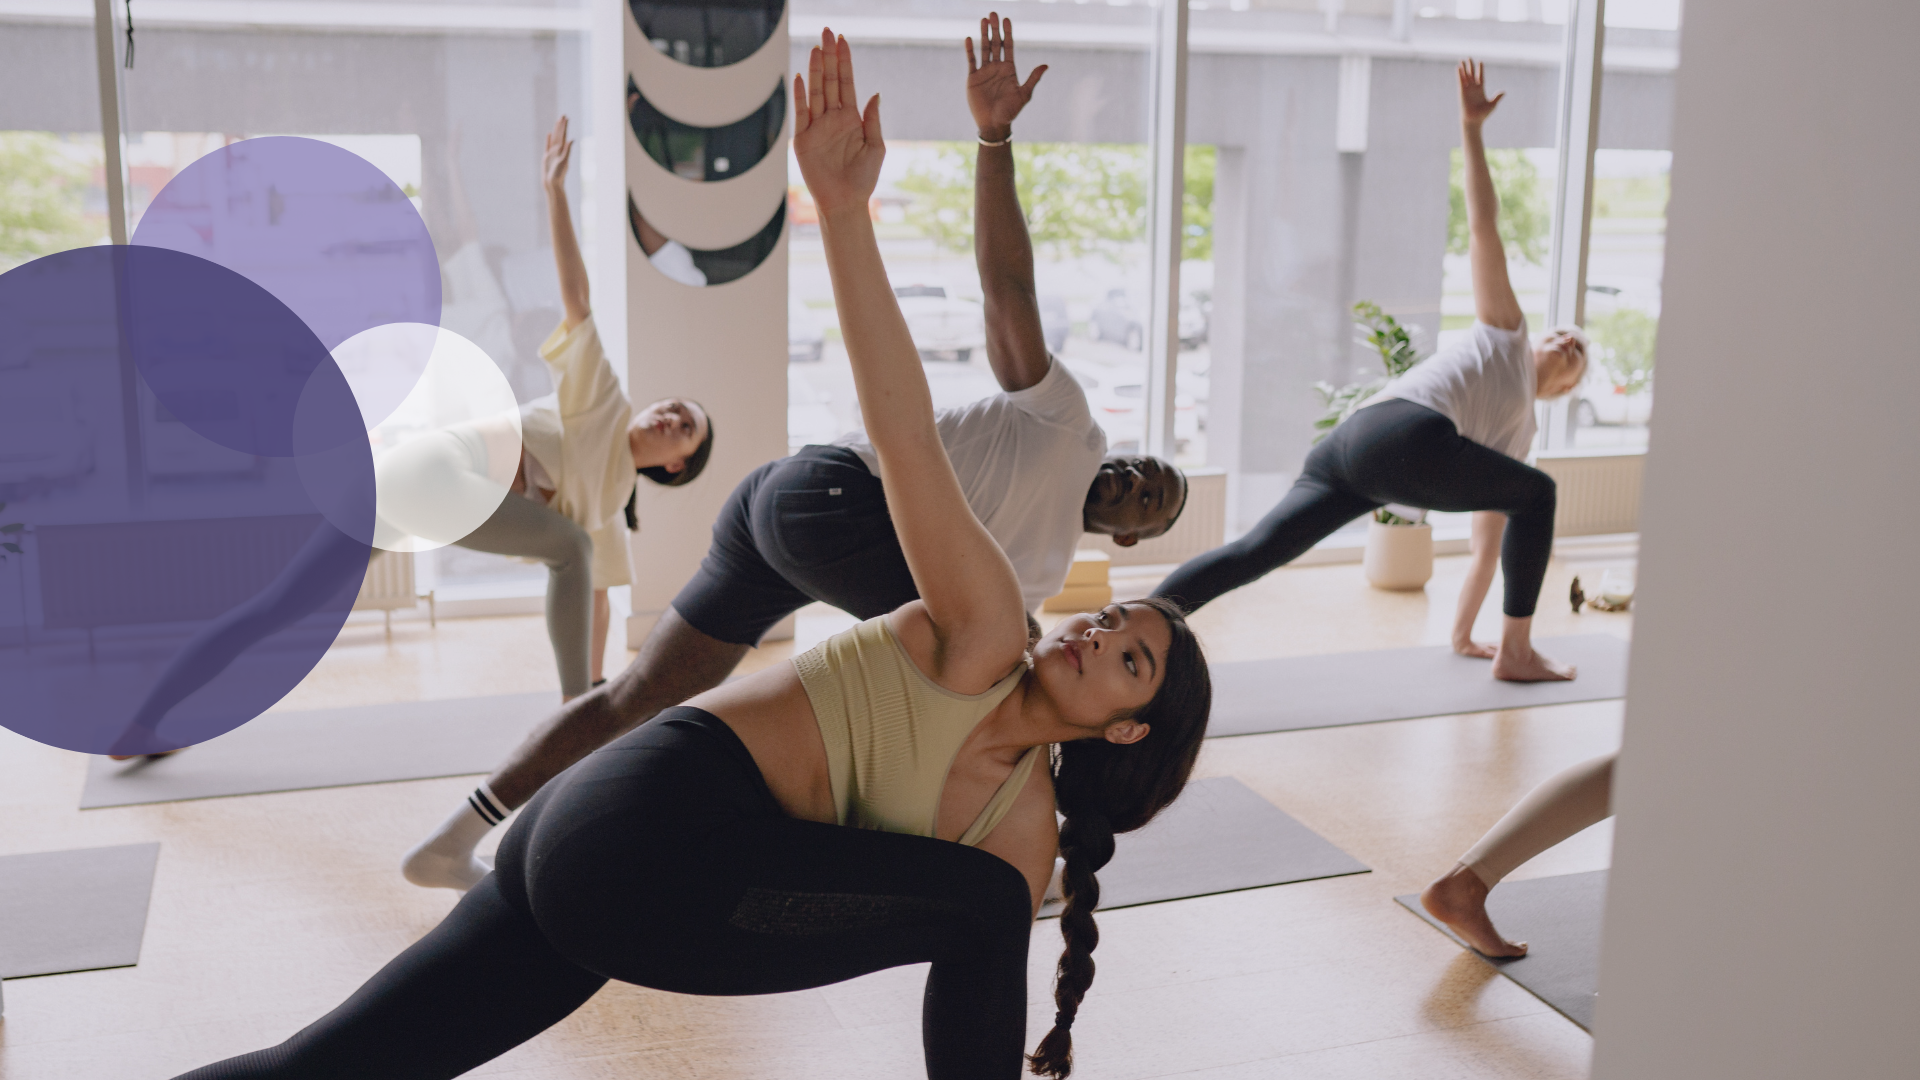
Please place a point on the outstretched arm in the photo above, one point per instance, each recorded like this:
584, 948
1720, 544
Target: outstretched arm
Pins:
969, 588
566, 250
1016, 345
1493, 299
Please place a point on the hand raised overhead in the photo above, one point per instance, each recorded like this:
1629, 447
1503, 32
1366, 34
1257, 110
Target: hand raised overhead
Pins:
995, 93
838, 148
1475, 106
559, 153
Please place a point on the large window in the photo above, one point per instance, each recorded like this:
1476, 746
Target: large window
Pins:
1082, 157
1334, 180
454, 113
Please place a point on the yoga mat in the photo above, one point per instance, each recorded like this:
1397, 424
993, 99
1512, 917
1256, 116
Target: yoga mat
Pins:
1255, 696
289, 751
1218, 836
1559, 919
78, 910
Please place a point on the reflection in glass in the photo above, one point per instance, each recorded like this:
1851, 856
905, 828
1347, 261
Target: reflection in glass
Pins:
708, 267
706, 153
713, 33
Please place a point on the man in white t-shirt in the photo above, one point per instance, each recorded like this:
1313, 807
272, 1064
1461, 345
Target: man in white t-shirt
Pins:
814, 526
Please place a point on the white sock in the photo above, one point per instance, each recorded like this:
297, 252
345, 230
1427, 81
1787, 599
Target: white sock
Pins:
445, 859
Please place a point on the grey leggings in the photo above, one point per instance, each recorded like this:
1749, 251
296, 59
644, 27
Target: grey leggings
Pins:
427, 485
525, 528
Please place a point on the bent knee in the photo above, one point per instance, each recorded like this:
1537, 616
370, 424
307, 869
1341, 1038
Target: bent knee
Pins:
1541, 494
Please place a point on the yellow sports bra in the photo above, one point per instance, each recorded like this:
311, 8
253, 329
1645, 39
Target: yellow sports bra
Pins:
892, 733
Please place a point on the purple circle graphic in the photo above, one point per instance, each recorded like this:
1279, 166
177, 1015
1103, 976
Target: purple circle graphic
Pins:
317, 226
188, 495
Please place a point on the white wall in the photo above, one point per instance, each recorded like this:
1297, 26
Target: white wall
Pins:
1763, 919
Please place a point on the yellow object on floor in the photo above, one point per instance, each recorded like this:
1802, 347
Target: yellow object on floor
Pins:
1086, 588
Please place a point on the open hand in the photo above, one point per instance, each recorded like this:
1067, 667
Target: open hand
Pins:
559, 153
995, 93
1475, 106
838, 148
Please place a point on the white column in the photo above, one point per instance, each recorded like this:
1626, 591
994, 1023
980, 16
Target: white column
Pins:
723, 345
1579, 125
106, 57
1167, 149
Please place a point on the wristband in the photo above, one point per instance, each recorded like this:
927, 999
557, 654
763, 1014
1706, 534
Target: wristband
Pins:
1003, 142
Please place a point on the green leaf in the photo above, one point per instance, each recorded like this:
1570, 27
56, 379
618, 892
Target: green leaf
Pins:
15, 548
14, 528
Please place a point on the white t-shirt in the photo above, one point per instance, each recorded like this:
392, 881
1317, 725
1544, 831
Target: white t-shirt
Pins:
1025, 459
577, 437
1483, 382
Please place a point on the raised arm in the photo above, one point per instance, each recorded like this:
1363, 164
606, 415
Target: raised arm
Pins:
971, 595
1493, 299
566, 250
1016, 345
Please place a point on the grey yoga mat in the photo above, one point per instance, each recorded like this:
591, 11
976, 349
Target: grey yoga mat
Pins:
1559, 919
1255, 696
1217, 837
368, 744
74, 910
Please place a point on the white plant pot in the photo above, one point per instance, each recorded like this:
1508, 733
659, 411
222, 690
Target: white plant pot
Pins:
1398, 556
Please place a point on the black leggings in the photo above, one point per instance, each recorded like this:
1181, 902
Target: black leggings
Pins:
663, 860
1392, 452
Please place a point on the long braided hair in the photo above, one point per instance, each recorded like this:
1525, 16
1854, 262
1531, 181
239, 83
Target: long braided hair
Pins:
1103, 788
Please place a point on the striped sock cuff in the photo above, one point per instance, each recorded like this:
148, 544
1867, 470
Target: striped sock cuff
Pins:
486, 805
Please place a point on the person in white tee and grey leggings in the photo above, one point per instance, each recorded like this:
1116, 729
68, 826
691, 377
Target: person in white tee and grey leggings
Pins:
1452, 434
561, 488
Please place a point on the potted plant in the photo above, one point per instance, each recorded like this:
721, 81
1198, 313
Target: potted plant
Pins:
1399, 552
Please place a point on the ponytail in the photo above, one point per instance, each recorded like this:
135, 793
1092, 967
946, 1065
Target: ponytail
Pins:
1104, 788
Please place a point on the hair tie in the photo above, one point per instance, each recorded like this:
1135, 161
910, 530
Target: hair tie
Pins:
1063, 1019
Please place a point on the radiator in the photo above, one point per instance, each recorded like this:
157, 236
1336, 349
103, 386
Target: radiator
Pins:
132, 573
1599, 493
1201, 528
389, 587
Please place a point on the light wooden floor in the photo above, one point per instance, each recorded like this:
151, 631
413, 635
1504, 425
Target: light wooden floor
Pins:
267, 910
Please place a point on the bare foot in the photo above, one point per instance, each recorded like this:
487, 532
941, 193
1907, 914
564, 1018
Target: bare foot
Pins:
1460, 900
1514, 666
1470, 647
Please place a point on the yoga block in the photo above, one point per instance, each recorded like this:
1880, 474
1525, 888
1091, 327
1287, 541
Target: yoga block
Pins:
1080, 598
1089, 568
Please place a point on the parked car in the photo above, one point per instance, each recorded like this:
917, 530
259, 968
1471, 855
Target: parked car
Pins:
1119, 407
806, 333
1120, 317
1598, 400
1054, 324
943, 327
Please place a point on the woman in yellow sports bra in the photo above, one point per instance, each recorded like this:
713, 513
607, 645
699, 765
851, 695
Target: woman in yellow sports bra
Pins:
888, 798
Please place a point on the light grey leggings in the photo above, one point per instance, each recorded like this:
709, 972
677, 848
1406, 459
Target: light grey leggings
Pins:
427, 482
525, 528
1563, 804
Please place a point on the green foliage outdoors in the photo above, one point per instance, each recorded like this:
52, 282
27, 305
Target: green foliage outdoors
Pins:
1080, 198
1623, 346
1196, 205
1526, 226
41, 198
1631, 196
1384, 334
